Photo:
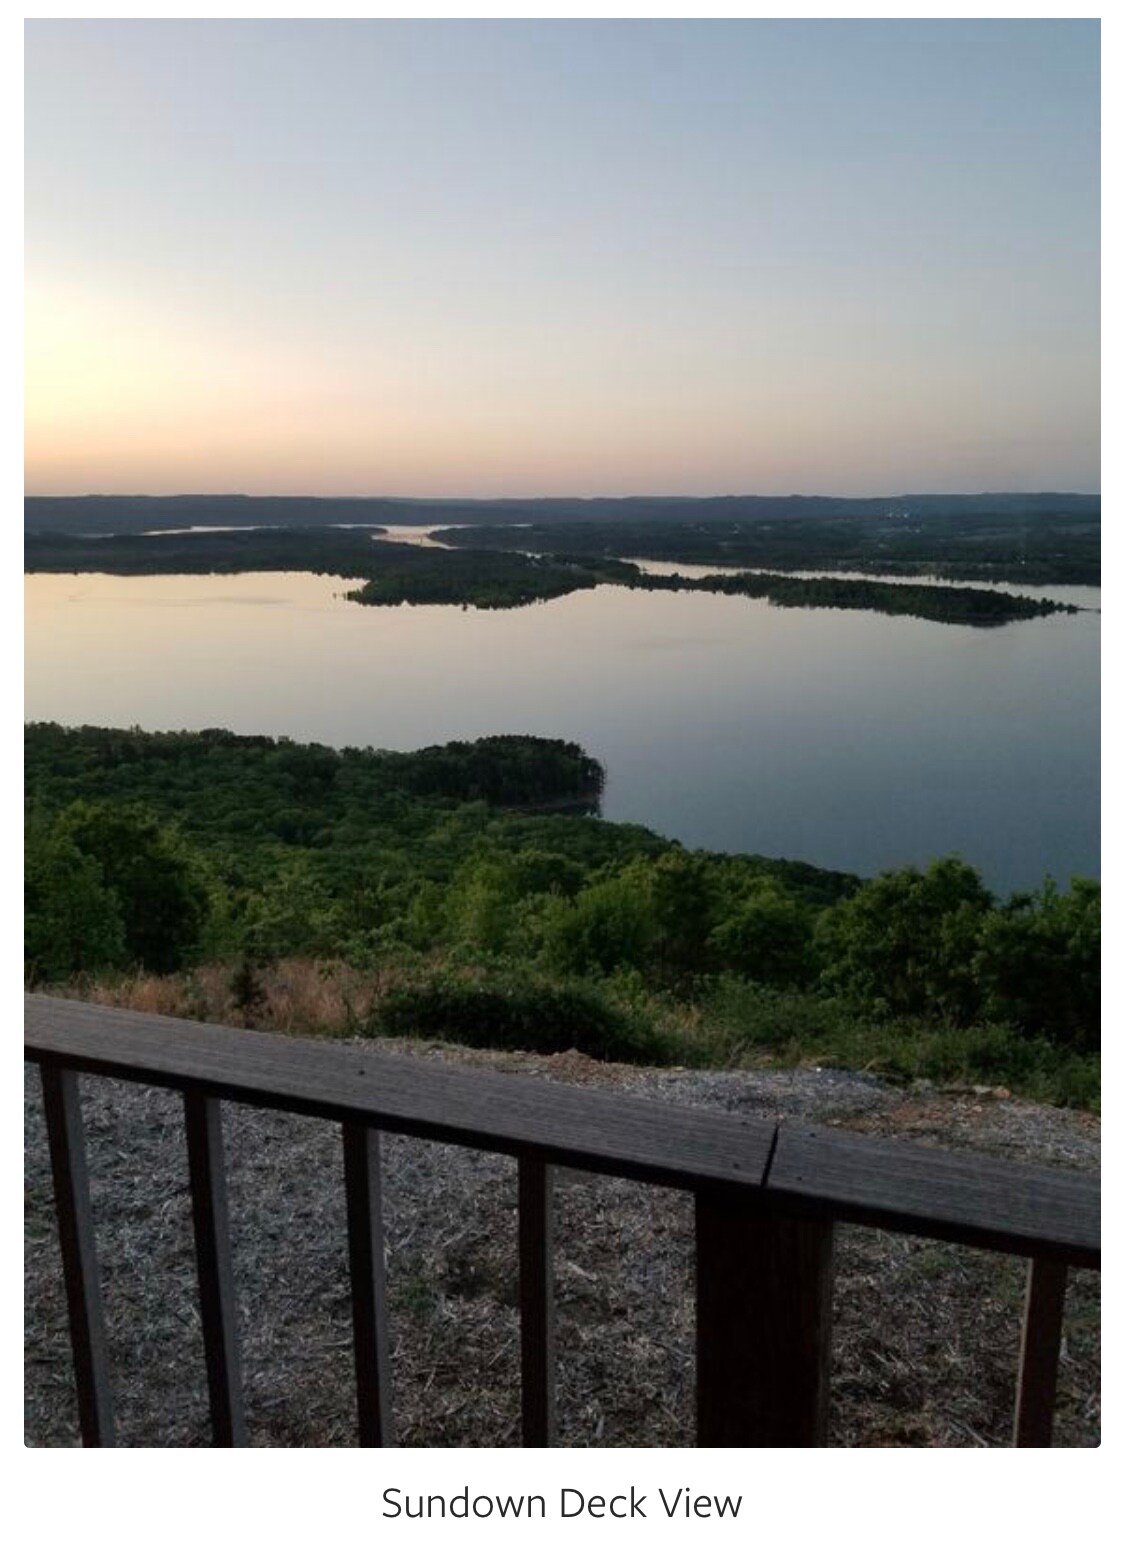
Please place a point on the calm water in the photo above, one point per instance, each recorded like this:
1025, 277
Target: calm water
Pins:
850, 739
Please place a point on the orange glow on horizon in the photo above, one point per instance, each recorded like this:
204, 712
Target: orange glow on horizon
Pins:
123, 397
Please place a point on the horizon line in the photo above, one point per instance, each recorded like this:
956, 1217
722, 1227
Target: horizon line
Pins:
635, 495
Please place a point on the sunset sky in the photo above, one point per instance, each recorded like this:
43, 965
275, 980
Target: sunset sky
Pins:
485, 258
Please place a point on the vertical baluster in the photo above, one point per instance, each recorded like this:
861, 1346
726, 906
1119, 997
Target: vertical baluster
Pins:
67, 1145
366, 1258
1039, 1352
537, 1315
203, 1123
763, 1326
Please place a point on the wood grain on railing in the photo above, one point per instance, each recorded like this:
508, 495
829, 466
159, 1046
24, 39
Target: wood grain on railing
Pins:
217, 1309
896, 1185
1039, 1352
363, 1187
763, 1320
583, 1128
537, 1313
67, 1144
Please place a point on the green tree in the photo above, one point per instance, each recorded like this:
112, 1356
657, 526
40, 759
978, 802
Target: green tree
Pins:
767, 936
611, 924
161, 892
1039, 963
682, 900
481, 902
294, 913
906, 942
72, 920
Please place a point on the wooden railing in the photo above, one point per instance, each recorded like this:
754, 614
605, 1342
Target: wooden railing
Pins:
767, 1197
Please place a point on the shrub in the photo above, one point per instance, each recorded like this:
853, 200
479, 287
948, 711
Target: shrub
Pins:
753, 1018
517, 1013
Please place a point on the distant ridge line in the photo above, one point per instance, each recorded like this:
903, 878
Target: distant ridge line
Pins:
139, 513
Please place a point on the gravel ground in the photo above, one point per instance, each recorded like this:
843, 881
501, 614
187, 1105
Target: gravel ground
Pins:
925, 1334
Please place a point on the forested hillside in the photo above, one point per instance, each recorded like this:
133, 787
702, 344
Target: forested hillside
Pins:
450, 893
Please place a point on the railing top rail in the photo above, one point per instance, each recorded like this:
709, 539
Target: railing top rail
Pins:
789, 1166
496, 1111
906, 1186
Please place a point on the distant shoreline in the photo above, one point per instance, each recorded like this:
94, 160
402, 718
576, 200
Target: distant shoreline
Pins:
504, 574
135, 513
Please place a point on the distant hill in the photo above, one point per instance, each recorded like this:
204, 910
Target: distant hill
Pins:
139, 513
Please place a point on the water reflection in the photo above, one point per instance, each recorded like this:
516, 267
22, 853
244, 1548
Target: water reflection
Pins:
850, 739
1060, 592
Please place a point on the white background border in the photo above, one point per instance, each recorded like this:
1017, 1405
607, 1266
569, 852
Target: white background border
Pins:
309, 1507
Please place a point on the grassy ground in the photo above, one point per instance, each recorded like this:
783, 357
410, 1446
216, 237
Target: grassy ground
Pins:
728, 1023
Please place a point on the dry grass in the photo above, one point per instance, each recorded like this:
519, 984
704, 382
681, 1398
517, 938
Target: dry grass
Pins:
292, 996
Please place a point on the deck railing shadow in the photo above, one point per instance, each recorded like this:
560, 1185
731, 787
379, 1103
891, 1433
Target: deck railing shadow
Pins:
768, 1196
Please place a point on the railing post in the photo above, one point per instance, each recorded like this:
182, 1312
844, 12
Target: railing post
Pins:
79, 1254
203, 1124
537, 1313
366, 1259
1039, 1352
763, 1326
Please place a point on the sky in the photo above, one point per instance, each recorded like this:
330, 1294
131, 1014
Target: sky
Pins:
524, 258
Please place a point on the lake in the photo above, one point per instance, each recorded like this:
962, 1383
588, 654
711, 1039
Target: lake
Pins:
853, 740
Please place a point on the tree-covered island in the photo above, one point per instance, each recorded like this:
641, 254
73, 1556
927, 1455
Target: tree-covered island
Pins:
495, 578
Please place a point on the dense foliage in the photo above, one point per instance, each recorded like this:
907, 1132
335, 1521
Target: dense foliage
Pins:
110, 884
452, 872
484, 579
